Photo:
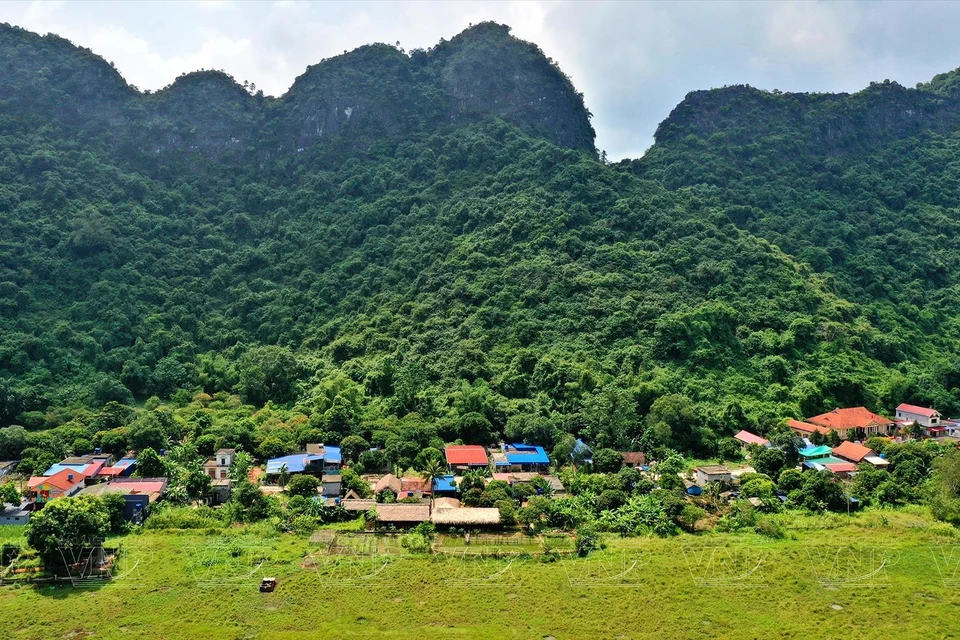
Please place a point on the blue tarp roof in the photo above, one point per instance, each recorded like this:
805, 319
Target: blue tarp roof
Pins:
816, 452
444, 483
528, 455
295, 463
581, 447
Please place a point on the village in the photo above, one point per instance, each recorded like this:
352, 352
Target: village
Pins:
480, 488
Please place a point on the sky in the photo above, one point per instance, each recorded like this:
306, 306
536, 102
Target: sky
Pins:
634, 61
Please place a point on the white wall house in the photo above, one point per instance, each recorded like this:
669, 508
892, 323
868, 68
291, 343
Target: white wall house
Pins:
922, 415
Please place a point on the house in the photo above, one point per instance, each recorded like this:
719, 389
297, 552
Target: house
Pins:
389, 483
15, 513
218, 467
805, 429
326, 460
857, 453
854, 422
634, 459
89, 465
745, 438
814, 452
445, 486
62, 484
220, 490
466, 456
402, 515
910, 413
582, 453
842, 469
138, 494
526, 457
712, 473
330, 485
7, 467
120, 469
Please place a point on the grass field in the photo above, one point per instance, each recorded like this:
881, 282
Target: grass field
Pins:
876, 574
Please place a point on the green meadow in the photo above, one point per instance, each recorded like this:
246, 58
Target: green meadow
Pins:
889, 573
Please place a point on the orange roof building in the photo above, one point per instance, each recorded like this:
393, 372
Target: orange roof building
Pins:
852, 451
858, 422
806, 429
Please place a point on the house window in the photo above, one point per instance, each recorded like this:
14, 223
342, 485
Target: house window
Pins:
223, 473
933, 421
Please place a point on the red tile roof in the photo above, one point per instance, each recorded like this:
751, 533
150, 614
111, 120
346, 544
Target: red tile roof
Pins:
912, 408
852, 451
849, 418
634, 457
466, 454
806, 427
751, 438
60, 480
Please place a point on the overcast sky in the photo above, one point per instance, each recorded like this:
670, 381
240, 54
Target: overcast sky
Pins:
634, 61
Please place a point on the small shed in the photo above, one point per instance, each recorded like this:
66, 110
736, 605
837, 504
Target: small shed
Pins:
467, 517
402, 515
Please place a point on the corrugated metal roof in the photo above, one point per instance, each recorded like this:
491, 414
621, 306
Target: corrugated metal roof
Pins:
469, 454
529, 454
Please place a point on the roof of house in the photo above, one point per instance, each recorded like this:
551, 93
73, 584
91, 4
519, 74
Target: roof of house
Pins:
751, 438
358, 505
821, 462
446, 503
876, 460
466, 516
469, 454
129, 487
413, 485
852, 451
60, 480
444, 483
499, 459
390, 482
713, 469
295, 463
403, 512
582, 448
86, 468
849, 418
633, 457
806, 427
841, 467
815, 452
526, 454
227, 452
922, 411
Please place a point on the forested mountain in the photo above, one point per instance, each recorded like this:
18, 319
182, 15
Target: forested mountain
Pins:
427, 238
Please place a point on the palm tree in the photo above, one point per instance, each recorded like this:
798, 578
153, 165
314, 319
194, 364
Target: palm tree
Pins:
432, 470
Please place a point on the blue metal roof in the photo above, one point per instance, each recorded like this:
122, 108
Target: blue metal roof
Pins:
444, 483
528, 455
332, 454
57, 468
125, 462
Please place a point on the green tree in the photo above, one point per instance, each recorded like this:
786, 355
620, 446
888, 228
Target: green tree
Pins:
9, 494
303, 485
432, 470
63, 527
607, 461
150, 465
241, 465
352, 447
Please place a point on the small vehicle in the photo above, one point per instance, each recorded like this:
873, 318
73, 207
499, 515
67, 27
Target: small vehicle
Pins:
268, 584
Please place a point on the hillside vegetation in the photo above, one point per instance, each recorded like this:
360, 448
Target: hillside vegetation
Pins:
449, 256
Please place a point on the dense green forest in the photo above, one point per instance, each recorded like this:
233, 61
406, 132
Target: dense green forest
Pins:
424, 246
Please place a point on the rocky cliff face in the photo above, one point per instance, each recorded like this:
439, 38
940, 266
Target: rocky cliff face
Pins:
359, 97
831, 122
